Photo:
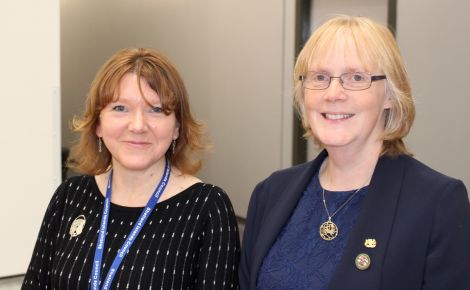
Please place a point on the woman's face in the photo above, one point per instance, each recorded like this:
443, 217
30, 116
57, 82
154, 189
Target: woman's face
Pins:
344, 119
136, 134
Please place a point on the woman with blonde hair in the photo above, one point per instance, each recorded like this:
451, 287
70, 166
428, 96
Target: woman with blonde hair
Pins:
138, 218
363, 214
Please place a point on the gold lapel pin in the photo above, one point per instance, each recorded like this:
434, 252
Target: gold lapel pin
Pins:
370, 243
362, 261
77, 226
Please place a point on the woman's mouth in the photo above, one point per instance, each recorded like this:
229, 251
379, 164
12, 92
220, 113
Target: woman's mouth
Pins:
330, 116
137, 143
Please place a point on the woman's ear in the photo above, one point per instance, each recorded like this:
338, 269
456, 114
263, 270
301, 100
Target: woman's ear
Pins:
387, 102
176, 131
98, 130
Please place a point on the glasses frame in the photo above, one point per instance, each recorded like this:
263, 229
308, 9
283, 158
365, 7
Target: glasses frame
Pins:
373, 78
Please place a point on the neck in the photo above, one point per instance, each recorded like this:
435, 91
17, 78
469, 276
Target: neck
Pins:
134, 188
348, 170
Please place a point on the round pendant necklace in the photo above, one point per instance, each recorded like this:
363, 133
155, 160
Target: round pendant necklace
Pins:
328, 229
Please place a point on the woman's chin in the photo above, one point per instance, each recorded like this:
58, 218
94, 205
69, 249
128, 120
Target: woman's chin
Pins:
335, 142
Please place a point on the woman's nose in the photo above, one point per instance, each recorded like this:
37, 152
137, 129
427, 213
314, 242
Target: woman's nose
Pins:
137, 122
335, 91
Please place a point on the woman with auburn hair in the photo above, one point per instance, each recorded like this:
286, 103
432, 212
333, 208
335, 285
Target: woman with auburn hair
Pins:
138, 218
363, 214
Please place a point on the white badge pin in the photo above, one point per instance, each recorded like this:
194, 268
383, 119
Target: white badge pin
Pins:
77, 226
370, 243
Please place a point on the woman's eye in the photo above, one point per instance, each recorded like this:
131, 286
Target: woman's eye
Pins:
119, 108
320, 78
157, 109
357, 77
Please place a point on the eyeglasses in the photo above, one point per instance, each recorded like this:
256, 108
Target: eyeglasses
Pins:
353, 81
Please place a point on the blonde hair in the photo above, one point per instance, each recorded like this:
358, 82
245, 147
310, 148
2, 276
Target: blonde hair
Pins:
376, 47
164, 79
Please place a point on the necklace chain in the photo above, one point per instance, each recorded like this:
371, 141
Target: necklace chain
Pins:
329, 230
339, 208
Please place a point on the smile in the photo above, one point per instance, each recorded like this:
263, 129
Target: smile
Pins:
137, 143
329, 116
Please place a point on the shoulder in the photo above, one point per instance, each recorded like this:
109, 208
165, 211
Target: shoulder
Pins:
280, 176
210, 193
437, 205
76, 184
179, 183
290, 172
76, 180
212, 198
210, 204
279, 180
73, 187
422, 186
294, 177
420, 174
279, 192
183, 179
65, 193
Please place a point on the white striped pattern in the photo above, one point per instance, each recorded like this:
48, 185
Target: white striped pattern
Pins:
190, 241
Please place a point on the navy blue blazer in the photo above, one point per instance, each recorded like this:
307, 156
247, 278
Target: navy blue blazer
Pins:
419, 218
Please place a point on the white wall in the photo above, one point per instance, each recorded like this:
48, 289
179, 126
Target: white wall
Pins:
434, 37
323, 10
30, 125
236, 57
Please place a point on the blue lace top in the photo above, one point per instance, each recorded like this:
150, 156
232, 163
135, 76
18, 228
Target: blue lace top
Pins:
300, 258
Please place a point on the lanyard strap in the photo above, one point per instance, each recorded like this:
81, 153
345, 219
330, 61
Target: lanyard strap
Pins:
95, 273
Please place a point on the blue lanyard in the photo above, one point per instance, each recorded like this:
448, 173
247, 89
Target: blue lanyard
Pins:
95, 273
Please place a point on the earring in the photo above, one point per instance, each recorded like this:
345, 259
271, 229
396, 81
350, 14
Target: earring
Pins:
100, 145
173, 145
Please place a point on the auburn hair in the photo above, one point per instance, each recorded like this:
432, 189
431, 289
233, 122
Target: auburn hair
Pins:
162, 76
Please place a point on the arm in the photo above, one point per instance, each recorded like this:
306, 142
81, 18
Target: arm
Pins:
219, 257
448, 258
38, 273
249, 237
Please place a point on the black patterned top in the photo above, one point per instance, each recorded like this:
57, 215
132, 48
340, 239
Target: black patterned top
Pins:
190, 241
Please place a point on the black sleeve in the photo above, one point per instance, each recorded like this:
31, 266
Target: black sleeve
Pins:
219, 257
448, 258
39, 270
249, 238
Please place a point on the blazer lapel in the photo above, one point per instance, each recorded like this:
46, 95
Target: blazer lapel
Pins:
281, 212
375, 221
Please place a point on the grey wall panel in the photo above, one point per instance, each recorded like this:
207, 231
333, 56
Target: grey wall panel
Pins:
434, 37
